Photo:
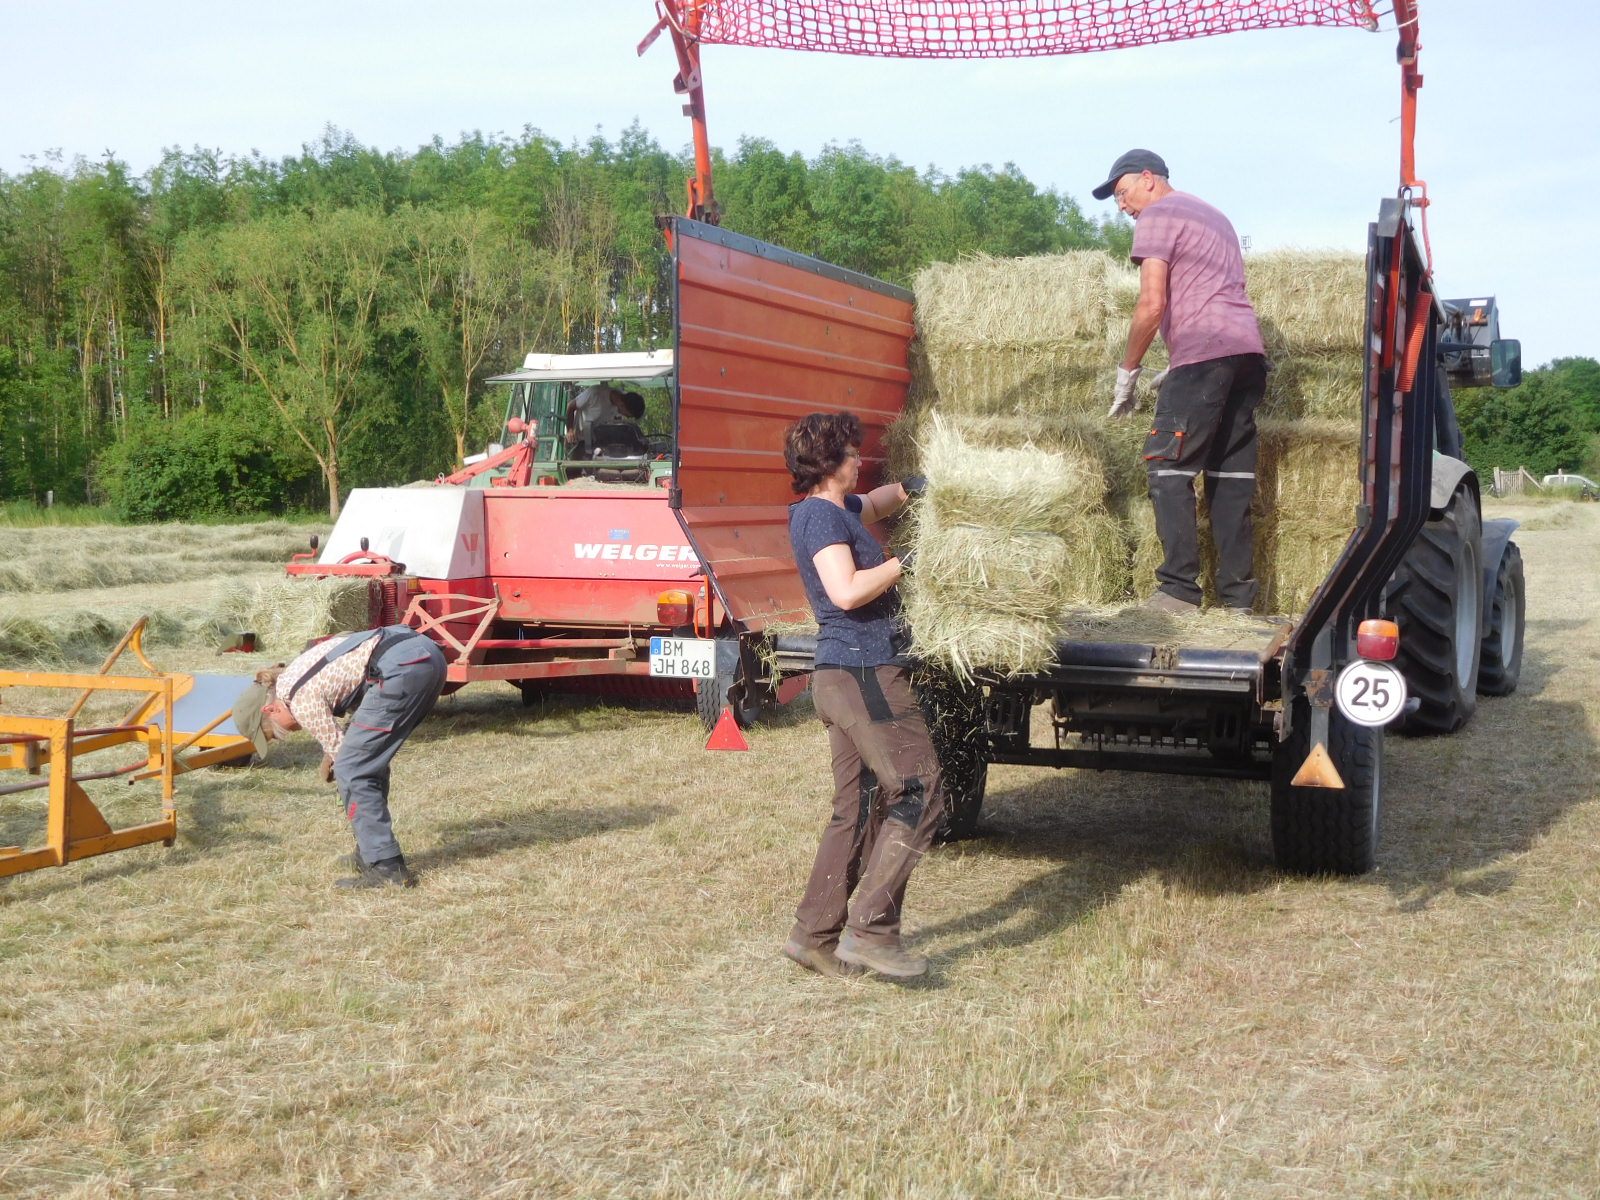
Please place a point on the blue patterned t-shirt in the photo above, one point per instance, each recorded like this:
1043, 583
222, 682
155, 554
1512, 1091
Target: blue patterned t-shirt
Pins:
869, 636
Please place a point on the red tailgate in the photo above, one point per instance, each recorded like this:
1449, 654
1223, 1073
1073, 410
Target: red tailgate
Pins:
765, 336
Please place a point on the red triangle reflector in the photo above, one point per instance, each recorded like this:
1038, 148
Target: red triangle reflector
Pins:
726, 735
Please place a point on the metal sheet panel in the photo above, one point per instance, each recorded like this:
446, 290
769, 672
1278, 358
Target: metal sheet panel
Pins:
436, 531
573, 554
765, 336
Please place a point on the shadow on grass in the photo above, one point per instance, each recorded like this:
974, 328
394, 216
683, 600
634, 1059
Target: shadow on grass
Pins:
495, 710
210, 816
558, 714
1098, 833
1458, 807
494, 834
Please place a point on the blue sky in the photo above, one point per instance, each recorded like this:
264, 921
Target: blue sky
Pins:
1293, 133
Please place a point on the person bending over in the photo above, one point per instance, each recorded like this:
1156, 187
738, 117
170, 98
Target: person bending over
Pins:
385, 681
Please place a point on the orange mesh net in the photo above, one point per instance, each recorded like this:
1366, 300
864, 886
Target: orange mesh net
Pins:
1001, 28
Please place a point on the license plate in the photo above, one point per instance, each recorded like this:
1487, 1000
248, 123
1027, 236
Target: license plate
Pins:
683, 658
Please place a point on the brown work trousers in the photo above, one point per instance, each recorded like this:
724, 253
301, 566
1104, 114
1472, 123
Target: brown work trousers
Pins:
886, 805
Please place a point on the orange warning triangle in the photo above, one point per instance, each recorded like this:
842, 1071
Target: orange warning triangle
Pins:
1318, 771
726, 735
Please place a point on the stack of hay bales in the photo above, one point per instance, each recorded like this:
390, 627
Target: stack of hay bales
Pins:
1008, 538
1037, 503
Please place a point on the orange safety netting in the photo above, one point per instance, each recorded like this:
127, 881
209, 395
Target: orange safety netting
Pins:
1001, 28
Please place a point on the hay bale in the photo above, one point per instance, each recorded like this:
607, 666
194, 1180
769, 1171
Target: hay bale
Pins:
1308, 302
1307, 489
1109, 448
1005, 573
965, 637
1037, 335
286, 612
1006, 539
1048, 299
1315, 387
1025, 489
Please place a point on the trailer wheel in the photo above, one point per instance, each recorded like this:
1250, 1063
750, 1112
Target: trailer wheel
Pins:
1328, 831
1500, 666
1436, 597
954, 712
711, 695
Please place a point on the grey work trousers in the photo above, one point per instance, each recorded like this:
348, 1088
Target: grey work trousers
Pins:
405, 680
886, 805
1205, 421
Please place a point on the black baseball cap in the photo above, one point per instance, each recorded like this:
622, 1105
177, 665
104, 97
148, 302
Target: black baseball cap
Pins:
1131, 163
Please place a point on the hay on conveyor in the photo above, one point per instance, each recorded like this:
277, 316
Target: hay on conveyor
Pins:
285, 613
1011, 375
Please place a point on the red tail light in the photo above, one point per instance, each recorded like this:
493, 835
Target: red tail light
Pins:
1378, 639
674, 608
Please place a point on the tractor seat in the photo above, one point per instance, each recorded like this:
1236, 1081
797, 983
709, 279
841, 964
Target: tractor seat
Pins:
618, 439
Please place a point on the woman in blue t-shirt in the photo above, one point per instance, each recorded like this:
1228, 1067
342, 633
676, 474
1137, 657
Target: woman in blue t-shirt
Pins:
887, 797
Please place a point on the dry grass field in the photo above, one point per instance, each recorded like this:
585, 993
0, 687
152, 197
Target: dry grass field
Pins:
584, 997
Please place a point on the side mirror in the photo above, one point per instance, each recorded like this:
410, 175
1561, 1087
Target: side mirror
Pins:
1505, 362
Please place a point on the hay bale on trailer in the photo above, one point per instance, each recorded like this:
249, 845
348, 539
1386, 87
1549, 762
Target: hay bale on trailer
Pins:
1011, 375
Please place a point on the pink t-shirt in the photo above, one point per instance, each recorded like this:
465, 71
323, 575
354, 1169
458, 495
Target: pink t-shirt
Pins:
1208, 314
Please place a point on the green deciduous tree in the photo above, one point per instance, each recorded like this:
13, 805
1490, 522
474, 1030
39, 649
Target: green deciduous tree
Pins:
293, 301
471, 293
1533, 426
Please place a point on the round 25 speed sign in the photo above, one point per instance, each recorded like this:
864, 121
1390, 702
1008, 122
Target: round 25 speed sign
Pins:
1370, 693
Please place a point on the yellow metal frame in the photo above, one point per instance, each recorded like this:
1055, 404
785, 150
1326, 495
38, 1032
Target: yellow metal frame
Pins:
75, 827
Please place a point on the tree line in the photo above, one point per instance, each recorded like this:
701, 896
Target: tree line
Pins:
230, 334
238, 334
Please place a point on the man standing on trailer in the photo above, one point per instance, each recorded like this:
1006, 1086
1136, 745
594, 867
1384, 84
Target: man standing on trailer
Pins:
385, 680
1191, 288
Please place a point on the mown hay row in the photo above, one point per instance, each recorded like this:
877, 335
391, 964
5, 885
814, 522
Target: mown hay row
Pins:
283, 613
74, 558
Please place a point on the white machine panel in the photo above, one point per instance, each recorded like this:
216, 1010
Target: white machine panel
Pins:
436, 531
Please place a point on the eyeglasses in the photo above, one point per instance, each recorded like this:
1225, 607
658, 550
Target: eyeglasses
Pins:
1123, 190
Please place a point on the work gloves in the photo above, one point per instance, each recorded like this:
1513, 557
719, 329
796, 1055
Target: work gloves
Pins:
914, 485
906, 561
326, 769
1125, 400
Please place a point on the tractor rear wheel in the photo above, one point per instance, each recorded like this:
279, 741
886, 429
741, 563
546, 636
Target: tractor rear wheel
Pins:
1500, 666
954, 712
1436, 597
1328, 831
711, 695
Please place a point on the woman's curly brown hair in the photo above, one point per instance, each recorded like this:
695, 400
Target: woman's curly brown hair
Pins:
815, 446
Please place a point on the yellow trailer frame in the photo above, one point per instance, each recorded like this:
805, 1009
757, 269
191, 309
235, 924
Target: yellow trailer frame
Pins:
52, 746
